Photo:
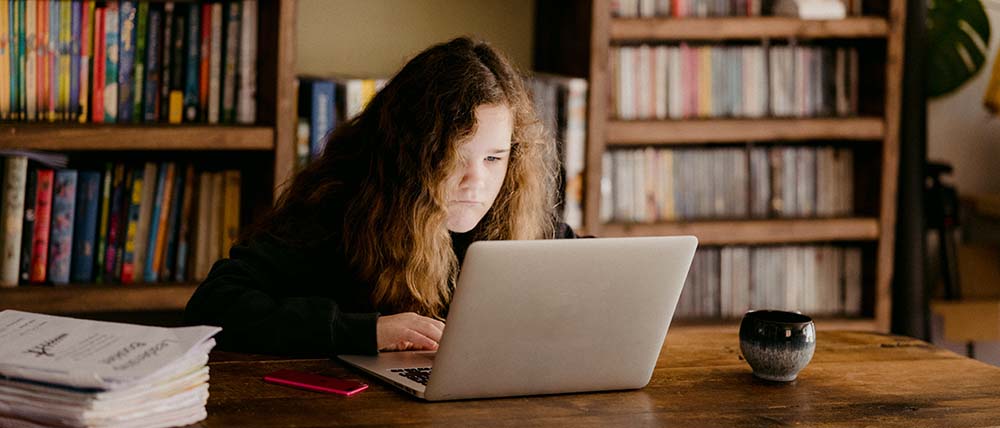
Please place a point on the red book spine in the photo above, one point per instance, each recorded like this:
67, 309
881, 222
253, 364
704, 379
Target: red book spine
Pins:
97, 82
43, 216
206, 54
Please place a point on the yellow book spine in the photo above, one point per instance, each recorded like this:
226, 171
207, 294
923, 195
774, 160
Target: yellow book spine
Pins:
161, 231
705, 81
367, 91
231, 209
176, 106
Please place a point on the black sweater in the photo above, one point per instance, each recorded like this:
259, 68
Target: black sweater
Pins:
273, 298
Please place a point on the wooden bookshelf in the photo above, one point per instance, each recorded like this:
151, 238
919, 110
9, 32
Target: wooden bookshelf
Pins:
577, 40
82, 298
623, 132
744, 28
69, 137
753, 232
265, 152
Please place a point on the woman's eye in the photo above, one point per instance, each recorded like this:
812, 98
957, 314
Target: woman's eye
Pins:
493, 159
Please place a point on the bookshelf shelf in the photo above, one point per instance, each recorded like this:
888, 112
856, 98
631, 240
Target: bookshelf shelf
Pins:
746, 28
700, 131
84, 298
73, 137
756, 231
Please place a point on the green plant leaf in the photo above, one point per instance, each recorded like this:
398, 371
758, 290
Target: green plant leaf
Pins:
958, 32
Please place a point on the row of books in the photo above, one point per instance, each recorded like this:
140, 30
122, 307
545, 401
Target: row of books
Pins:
709, 81
696, 8
325, 102
128, 61
684, 8
649, 185
152, 222
726, 282
561, 105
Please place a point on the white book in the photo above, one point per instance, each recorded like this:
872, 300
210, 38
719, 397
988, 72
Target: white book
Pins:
647, 8
726, 281
675, 83
215, 66
741, 281
667, 173
607, 207
852, 282
660, 76
246, 109
575, 149
811, 9
14, 179
638, 191
644, 87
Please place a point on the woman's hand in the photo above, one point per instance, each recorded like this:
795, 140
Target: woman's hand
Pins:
407, 332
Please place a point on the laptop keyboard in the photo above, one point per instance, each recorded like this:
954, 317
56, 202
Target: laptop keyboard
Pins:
416, 374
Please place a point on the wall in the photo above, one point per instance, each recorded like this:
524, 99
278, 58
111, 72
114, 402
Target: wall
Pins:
962, 132
376, 37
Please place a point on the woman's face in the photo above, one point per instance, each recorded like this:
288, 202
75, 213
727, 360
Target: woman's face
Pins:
482, 167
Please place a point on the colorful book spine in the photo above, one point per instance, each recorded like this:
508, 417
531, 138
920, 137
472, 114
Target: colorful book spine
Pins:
111, 17
100, 59
86, 58
192, 49
317, 103
12, 217
102, 222
166, 63
151, 273
118, 185
126, 60
123, 212
65, 60
151, 92
43, 80
74, 61
176, 98
161, 234
88, 204
21, 61
230, 62
43, 217
215, 66
52, 66
139, 76
246, 109
61, 239
170, 249
135, 202
231, 210
184, 229
28, 225
31, 72
205, 59
5, 76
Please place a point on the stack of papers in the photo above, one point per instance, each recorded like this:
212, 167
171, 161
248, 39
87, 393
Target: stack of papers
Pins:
66, 372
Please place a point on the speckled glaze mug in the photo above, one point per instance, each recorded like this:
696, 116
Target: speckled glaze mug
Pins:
777, 344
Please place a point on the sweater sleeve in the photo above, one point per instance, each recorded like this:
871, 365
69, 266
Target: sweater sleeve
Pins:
261, 297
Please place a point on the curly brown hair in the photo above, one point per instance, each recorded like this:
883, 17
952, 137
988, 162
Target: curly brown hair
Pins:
383, 174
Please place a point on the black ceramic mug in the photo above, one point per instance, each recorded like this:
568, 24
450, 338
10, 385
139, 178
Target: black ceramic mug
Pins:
777, 344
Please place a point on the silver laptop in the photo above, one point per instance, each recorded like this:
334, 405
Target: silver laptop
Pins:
546, 317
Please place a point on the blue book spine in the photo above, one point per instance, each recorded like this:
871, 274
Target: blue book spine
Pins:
74, 61
61, 235
150, 274
126, 60
85, 230
192, 82
151, 99
322, 115
173, 226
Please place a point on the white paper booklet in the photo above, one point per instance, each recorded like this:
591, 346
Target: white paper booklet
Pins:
96, 355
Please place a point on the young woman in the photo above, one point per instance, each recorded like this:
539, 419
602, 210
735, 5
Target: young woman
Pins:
361, 252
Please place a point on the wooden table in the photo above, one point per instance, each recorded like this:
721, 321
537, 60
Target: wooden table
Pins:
855, 379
